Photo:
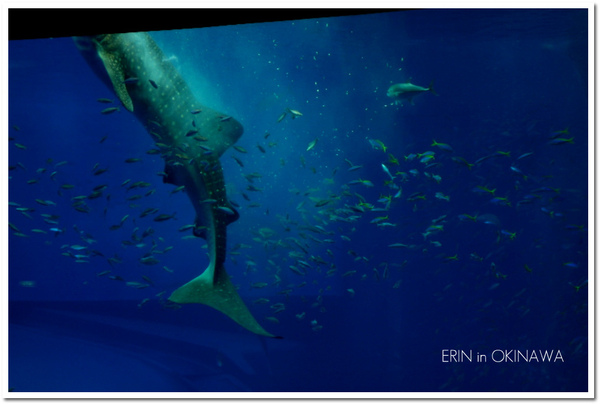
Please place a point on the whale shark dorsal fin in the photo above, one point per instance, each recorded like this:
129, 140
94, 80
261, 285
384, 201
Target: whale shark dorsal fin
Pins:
222, 132
115, 72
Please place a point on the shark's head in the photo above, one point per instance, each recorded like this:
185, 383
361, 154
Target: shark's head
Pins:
88, 47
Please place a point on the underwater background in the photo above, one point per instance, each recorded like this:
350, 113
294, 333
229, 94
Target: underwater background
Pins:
474, 240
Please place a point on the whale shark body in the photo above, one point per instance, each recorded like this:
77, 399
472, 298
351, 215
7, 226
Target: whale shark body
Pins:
191, 138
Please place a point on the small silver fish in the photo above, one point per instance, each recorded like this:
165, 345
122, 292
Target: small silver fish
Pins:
110, 110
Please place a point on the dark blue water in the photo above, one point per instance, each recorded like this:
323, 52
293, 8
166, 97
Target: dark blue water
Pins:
512, 275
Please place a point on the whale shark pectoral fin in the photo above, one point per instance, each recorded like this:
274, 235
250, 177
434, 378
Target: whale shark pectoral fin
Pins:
113, 67
219, 293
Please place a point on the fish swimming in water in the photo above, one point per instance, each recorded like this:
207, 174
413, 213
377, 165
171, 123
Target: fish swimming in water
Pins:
126, 63
401, 92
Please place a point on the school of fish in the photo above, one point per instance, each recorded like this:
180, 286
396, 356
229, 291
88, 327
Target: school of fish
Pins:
323, 219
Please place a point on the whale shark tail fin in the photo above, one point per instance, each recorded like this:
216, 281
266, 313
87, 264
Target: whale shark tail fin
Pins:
220, 294
431, 90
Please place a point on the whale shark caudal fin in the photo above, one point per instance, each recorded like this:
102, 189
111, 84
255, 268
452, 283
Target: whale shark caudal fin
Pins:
219, 293
431, 90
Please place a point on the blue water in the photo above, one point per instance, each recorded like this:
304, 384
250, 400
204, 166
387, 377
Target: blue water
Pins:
365, 316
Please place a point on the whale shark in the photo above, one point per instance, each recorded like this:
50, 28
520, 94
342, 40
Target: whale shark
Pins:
191, 138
